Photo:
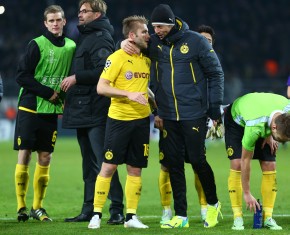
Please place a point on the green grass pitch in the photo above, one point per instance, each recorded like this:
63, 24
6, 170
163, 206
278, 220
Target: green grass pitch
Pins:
64, 194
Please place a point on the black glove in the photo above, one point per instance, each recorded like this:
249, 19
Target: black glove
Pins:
155, 112
214, 112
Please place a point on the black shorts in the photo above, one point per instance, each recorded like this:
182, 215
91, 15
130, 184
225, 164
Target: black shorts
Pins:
127, 142
182, 141
35, 131
233, 140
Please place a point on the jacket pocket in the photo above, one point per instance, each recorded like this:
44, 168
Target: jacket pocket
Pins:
81, 104
79, 60
81, 97
83, 60
82, 101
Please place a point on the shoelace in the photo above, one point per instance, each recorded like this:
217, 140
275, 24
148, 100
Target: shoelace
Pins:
220, 213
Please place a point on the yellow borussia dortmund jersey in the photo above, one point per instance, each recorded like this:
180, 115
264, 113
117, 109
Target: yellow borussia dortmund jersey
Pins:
130, 73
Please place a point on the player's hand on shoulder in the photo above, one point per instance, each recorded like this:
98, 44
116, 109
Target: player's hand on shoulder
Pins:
129, 47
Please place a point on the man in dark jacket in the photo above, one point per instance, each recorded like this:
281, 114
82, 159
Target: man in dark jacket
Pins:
164, 180
85, 110
187, 80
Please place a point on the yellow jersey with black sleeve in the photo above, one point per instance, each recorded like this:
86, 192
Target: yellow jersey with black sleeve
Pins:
130, 73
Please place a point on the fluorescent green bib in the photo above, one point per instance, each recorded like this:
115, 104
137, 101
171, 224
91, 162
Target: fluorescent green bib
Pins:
53, 66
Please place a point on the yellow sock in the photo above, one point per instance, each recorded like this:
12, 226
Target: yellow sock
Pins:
40, 182
102, 188
269, 192
200, 192
133, 192
235, 192
165, 189
21, 184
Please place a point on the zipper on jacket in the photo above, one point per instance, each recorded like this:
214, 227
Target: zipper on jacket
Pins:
192, 72
172, 84
156, 68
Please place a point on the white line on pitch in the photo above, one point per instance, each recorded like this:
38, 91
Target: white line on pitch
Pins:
152, 216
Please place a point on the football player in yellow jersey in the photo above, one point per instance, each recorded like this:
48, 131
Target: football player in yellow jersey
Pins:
125, 79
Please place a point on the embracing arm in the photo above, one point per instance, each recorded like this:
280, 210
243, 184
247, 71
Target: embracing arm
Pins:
129, 47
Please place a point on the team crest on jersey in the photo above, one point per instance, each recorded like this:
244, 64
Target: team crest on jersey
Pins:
230, 151
184, 48
109, 155
129, 75
161, 155
108, 64
164, 133
19, 140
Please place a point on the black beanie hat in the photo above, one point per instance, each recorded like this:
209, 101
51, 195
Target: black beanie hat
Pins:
162, 14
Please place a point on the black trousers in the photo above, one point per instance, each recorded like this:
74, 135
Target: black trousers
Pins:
180, 138
91, 142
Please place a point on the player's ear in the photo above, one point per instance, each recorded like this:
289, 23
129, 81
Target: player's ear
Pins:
274, 128
131, 36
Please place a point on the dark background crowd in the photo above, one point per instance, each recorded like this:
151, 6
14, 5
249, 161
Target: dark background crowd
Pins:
252, 37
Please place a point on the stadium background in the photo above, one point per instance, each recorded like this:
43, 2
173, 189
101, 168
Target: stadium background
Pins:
252, 40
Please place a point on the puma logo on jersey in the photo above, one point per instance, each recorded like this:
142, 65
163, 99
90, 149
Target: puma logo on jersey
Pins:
130, 61
195, 129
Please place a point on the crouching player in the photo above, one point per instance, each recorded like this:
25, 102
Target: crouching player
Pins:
254, 124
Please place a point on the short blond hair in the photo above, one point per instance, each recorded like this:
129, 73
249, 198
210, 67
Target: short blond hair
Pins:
130, 24
53, 9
